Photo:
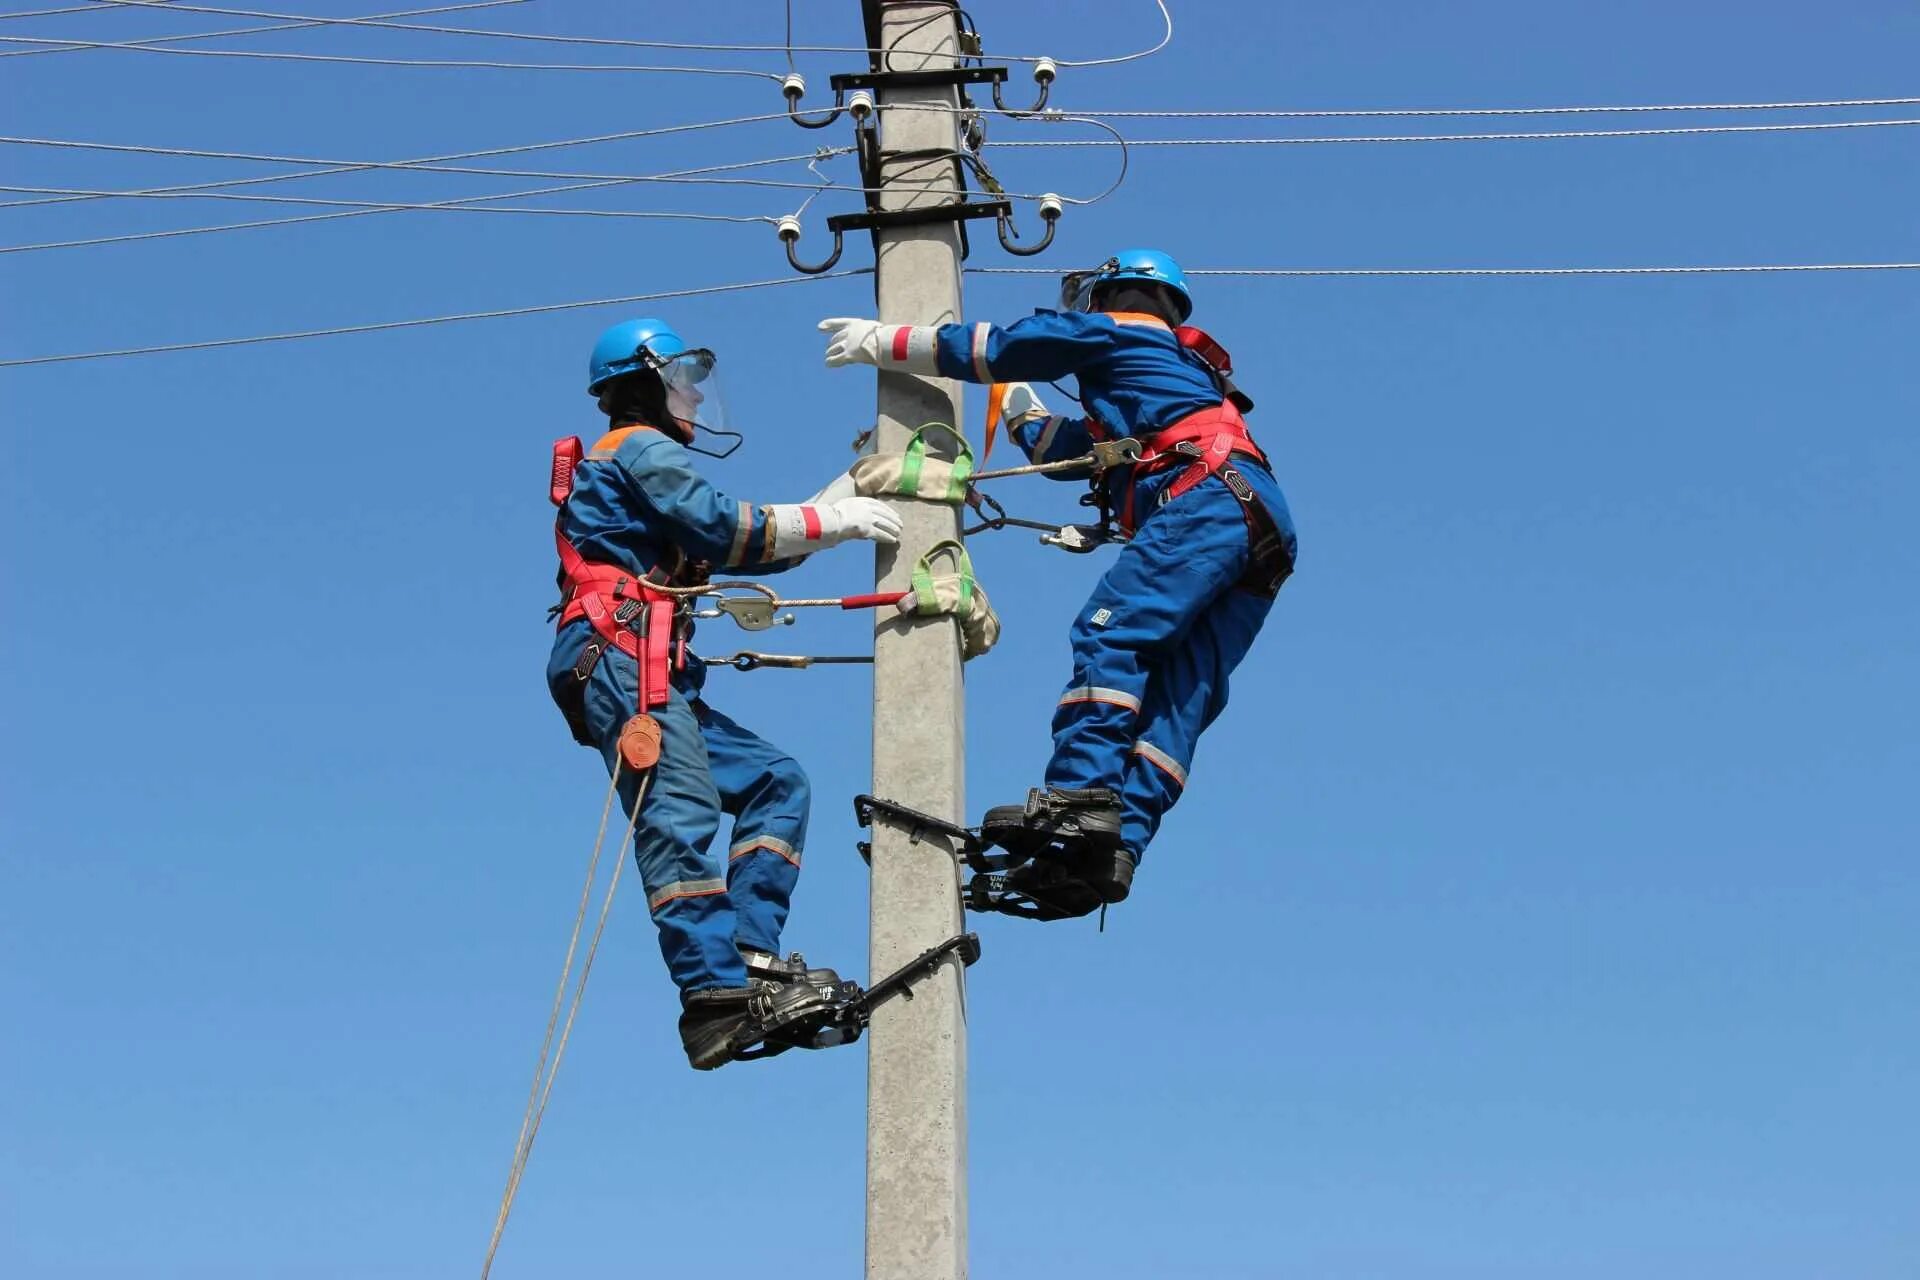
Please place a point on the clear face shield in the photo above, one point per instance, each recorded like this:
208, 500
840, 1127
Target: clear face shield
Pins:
1076, 287
696, 399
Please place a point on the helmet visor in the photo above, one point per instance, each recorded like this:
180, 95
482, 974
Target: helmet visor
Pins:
694, 394
1076, 287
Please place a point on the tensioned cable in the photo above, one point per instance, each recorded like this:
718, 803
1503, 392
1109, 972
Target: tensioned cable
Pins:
385, 325
391, 206
1270, 272
391, 62
1356, 114
361, 166
788, 47
1457, 137
361, 213
243, 31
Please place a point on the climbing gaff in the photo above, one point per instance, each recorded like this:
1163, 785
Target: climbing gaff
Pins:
822, 1010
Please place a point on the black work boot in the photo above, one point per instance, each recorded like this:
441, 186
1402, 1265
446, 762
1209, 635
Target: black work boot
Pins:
712, 1023
1072, 818
1107, 872
1055, 892
797, 1005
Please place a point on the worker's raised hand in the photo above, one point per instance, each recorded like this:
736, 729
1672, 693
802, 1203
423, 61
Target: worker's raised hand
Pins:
1020, 405
851, 341
867, 518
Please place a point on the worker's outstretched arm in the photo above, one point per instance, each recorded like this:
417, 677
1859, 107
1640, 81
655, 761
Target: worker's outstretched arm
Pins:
1042, 436
737, 536
1045, 346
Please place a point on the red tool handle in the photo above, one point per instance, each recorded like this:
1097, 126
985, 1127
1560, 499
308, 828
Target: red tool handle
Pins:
873, 601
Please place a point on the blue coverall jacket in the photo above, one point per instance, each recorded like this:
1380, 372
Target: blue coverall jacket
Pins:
1156, 642
638, 503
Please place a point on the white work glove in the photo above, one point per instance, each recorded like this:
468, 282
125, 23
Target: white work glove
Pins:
800, 529
1020, 405
840, 487
887, 346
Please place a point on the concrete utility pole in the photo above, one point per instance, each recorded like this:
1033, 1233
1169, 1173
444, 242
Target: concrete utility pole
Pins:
917, 1062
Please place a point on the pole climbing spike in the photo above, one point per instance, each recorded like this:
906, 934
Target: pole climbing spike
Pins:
640, 743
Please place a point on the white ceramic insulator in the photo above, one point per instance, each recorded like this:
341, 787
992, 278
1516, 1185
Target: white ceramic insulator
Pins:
794, 86
1051, 206
860, 105
788, 228
1045, 70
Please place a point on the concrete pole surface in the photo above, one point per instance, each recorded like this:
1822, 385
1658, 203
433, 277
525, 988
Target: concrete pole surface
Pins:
916, 1062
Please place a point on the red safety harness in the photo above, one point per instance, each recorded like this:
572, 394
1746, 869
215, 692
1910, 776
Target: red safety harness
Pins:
627, 613
1205, 443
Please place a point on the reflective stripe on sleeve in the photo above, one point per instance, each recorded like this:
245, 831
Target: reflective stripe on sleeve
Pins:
1161, 760
1094, 693
980, 369
1045, 441
772, 844
742, 528
684, 889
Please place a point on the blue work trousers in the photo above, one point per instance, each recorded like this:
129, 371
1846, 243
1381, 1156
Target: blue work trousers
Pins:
706, 904
1154, 646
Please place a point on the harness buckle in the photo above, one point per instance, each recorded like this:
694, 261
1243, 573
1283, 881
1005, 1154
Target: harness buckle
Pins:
1123, 452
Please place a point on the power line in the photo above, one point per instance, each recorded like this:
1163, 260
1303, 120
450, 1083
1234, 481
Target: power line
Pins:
364, 212
414, 166
395, 205
1286, 272
431, 320
106, 5
390, 62
361, 166
1456, 137
1165, 39
1355, 114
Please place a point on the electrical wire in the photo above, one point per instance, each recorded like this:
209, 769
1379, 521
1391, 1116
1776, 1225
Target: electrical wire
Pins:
392, 62
1165, 39
241, 31
413, 166
361, 213
1344, 114
364, 165
1285, 272
385, 206
385, 24
1459, 137
431, 320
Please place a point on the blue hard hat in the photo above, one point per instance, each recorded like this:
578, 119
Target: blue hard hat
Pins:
631, 345
1149, 265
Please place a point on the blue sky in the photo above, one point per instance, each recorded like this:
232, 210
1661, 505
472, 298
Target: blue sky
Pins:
1543, 906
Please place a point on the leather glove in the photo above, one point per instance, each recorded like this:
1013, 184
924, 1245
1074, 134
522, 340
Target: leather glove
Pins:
888, 346
1020, 405
800, 529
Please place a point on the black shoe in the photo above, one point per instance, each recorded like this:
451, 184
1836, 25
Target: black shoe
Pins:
1079, 817
1054, 892
712, 1023
1108, 873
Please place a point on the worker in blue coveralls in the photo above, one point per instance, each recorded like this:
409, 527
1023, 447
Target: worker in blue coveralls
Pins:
635, 515
1210, 541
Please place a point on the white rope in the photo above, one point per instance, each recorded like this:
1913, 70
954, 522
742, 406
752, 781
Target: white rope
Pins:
1277, 272
360, 166
1165, 39
1459, 137
542, 1089
458, 204
388, 62
430, 320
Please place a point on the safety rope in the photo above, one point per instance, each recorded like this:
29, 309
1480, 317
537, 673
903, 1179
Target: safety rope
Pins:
544, 1073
